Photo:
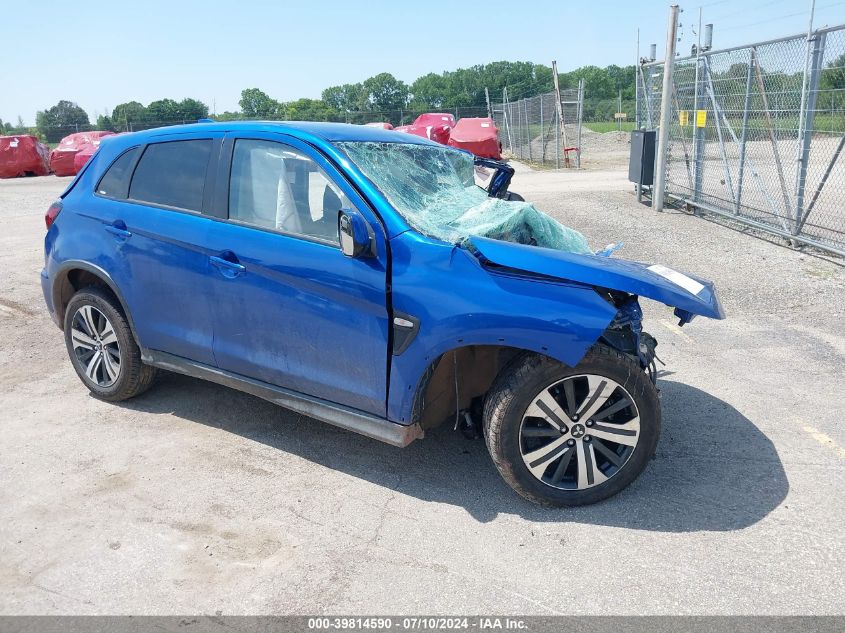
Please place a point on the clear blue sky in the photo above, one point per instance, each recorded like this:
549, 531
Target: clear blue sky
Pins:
99, 54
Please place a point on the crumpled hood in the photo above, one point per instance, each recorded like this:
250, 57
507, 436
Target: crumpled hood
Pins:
676, 289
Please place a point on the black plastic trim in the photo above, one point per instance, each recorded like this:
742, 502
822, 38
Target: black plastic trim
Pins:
404, 336
323, 410
220, 206
211, 178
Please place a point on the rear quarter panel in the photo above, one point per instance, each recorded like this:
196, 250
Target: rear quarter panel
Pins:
77, 235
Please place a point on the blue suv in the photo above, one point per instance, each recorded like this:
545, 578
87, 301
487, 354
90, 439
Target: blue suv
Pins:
360, 276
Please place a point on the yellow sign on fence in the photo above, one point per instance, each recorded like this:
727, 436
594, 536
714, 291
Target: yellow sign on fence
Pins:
700, 118
683, 117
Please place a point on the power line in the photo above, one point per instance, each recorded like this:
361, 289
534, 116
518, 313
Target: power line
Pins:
746, 10
710, 4
780, 17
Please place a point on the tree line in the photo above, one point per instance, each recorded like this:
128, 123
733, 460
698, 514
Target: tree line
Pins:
384, 97
381, 97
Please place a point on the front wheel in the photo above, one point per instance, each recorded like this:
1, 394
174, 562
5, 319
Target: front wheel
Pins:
567, 436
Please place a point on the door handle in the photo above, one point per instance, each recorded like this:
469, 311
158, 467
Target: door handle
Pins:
118, 229
227, 268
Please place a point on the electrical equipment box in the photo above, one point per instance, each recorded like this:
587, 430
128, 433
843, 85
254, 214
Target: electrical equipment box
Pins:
641, 163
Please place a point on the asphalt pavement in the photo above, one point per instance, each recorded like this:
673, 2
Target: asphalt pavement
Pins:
195, 498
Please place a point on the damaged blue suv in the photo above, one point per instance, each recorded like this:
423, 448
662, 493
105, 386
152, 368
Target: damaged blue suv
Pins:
361, 277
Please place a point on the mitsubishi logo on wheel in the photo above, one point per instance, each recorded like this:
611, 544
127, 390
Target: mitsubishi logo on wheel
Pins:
578, 430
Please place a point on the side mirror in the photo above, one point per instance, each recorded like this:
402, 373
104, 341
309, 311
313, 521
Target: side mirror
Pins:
356, 235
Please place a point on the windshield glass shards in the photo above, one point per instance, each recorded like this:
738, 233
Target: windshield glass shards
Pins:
434, 189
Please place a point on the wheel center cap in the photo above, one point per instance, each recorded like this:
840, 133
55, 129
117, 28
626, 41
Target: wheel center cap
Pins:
578, 430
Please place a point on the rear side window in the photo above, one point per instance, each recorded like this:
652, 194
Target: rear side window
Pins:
115, 182
172, 174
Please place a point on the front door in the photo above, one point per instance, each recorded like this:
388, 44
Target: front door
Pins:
290, 309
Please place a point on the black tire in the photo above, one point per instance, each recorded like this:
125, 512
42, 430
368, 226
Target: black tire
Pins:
528, 377
133, 376
514, 197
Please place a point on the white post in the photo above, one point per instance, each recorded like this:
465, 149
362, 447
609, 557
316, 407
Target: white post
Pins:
580, 120
665, 109
506, 119
618, 110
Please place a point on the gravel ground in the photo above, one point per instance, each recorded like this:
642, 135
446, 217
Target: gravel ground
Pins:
196, 498
605, 150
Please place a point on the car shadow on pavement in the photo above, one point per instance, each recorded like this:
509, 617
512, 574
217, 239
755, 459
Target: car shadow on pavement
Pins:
714, 470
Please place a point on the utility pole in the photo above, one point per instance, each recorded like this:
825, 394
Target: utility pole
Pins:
487, 98
558, 104
665, 109
637, 85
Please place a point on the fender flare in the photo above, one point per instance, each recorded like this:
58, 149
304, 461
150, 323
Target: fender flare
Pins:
60, 277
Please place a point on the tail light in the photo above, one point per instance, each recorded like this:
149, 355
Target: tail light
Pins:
53, 213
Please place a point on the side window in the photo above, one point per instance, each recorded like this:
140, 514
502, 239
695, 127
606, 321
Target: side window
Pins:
275, 186
172, 174
115, 182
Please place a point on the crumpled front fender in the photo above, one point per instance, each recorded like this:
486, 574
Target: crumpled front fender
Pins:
457, 303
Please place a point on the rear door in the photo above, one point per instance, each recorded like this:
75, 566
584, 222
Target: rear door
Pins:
153, 203
290, 309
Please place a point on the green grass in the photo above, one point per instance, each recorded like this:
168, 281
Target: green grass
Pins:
609, 126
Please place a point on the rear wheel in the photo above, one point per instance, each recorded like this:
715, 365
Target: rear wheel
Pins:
572, 436
101, 347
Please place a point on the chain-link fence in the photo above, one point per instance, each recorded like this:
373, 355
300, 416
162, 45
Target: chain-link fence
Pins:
757, 133
530, 129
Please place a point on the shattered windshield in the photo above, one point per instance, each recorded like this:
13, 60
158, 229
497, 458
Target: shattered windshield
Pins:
434, 189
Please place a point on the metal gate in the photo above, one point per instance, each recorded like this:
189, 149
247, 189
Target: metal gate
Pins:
757, 134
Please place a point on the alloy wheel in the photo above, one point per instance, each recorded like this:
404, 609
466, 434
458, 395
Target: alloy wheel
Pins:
579, 432
95, 346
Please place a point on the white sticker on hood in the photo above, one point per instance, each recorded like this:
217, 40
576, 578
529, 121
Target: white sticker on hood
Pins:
679, 279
